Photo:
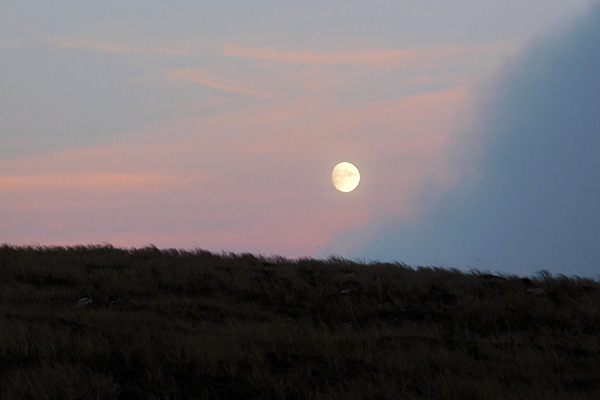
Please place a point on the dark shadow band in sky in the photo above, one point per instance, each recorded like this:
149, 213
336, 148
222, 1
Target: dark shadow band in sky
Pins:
536, 201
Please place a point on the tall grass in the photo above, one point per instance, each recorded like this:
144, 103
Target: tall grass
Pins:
170, 324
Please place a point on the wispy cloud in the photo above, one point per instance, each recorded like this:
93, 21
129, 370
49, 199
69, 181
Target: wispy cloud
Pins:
117, 47
228, 85
310, 57
368, 58
92, 181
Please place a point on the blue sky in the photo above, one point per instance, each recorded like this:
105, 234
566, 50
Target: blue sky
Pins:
217, 125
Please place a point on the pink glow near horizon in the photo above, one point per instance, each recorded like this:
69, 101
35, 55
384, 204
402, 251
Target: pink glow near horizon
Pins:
269, 194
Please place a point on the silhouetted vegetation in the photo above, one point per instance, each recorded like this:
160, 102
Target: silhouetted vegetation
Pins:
169, 324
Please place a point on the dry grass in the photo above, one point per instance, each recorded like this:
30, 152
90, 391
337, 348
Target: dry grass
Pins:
179, 325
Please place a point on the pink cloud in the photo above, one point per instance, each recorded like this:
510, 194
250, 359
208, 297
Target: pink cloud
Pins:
92, 181
419, 124
139, 159
227, 85
369, 58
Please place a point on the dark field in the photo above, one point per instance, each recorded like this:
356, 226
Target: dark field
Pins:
168, 324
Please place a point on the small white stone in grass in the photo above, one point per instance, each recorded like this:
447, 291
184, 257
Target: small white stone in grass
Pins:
84, 302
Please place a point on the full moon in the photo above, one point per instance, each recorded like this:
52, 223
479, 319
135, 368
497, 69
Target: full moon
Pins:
345, 177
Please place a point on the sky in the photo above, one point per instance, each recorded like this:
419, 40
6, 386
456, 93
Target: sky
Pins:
216, 125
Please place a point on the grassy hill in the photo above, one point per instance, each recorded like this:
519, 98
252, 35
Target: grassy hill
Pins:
169, 324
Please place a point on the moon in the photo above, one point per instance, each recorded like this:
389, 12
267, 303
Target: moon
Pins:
345, 177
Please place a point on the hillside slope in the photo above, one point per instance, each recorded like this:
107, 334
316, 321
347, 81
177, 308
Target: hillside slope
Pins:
169, 324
